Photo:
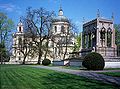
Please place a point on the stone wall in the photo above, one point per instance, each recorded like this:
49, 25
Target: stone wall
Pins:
76, 63
112, 64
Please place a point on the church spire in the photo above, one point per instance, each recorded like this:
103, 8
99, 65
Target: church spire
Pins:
112, 16
83, 20
98, 13
60, 11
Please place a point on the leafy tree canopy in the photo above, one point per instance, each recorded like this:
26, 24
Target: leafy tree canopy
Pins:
117, 34
6, 25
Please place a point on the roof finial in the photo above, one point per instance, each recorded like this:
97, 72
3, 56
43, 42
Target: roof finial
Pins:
60, 10
98, 13
83, 20
112, 16
20, 19
60, 6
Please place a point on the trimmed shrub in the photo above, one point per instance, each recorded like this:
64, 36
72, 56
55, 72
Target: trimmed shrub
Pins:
93, 61
46, 62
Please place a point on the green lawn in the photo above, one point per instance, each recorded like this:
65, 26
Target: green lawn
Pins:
21, 77
114, 74
82, 68
70, 67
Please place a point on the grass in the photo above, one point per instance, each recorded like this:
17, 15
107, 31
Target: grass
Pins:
82, 68
71, 67
22, 77
114, 74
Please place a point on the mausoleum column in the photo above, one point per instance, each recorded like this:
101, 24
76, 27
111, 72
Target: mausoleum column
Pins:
98, 42
91, 39
87, 40
113, 38
81, 40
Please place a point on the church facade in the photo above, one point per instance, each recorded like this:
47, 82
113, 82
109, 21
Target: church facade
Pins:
60, 43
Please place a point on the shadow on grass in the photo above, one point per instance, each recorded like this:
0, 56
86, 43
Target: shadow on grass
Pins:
69, 81
21, 77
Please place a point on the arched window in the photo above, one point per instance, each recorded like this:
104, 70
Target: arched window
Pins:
55, 29
102, 33
19, 29
109, 36
68, 30
20, 41
62, 29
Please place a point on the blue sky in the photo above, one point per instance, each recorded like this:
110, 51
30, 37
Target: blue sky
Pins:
73, 9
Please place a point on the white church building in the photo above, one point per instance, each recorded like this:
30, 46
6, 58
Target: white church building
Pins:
61, 34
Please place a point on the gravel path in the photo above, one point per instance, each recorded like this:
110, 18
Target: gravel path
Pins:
88, 74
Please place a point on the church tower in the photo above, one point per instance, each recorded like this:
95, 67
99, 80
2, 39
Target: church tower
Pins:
20, 27
18, 38
61, 34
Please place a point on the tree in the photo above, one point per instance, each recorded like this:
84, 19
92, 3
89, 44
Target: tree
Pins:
77, 43
25, 47
3, 52
37, 25
68, 37
117, 37
117, 34
6, 25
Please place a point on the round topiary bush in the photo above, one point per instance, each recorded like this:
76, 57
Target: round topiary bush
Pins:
93, 61
46, 62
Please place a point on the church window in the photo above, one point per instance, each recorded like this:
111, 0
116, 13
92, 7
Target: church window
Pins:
55, 29
67, 30
62, 29
20, 41
19, 29
55, 50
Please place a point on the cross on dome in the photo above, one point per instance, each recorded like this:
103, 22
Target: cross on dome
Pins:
60, 11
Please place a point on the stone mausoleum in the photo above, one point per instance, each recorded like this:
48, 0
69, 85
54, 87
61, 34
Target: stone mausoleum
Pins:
99, 36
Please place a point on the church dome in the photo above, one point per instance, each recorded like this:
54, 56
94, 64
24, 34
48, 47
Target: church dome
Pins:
60, 17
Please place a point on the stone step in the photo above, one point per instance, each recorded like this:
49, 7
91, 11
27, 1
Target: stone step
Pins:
112, 59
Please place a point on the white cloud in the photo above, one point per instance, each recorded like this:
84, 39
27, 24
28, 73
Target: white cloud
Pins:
7, 7
11, 8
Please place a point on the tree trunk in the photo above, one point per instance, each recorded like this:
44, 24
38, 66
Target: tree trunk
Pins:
24, 59
46, 49
65, 48
39, 57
